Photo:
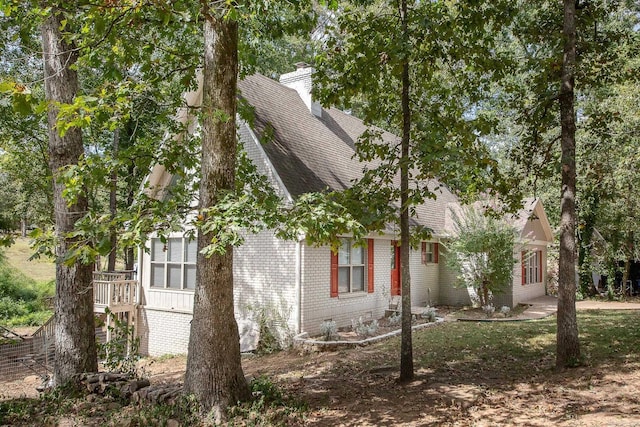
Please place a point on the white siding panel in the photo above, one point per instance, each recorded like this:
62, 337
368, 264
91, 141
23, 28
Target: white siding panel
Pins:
163, 332
425, 286
265, 279
450, 294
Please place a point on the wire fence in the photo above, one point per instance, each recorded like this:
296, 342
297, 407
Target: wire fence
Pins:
29, 356
33, 355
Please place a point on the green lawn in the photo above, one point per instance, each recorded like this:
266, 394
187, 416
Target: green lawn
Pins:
467, 374
26, 287
40, 270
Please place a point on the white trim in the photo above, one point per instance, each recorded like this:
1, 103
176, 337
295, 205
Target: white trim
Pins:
167, 310
298, 285
544, 221
267, 161
527, 243
351, 295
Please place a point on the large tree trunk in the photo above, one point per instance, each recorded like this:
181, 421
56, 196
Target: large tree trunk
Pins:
406, 347
568, 344
214, 371
75, 344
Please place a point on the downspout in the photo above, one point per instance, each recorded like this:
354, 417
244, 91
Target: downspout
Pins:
298, 284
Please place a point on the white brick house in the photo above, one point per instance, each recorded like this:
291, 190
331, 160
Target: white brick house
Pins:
309, 149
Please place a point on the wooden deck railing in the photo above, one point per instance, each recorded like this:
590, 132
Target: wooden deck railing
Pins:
118, 291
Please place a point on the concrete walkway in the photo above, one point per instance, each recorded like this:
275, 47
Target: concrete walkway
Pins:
545, 306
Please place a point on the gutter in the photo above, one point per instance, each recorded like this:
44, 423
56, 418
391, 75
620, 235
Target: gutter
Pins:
298, 285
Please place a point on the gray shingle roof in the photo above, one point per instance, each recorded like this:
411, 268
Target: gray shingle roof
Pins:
315, 154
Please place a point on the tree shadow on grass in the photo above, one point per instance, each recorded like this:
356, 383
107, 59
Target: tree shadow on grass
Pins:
498, 374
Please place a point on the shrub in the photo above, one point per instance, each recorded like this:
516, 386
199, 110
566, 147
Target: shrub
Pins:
395, 319
429, 313
481, 254
329, 330
121, 353
489, 309
505, 310
364, 329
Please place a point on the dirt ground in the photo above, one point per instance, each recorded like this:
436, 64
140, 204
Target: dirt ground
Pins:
358, 387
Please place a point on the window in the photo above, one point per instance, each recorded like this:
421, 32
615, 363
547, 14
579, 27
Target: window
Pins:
173, 264
351, 271
430, 252
531, 267
352, 268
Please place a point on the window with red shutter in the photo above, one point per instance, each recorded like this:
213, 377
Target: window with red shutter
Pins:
429, 253
352, 268
531, 267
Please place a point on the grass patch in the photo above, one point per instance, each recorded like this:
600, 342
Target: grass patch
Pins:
39, 270
23, 300
506, 362
485, 350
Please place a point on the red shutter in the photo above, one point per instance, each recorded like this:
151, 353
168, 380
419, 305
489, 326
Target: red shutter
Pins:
370, 265
334, 274
524, 272
436, 252
424, 253
540, 266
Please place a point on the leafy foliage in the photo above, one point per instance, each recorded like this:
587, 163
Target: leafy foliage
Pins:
270, 405
122, 352
481, 253
22, 300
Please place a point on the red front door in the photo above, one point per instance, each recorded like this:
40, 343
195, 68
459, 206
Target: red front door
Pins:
395, 269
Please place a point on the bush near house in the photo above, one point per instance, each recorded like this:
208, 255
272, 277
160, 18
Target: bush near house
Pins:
481, 254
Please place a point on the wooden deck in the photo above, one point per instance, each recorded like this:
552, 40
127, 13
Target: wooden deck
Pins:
117, 291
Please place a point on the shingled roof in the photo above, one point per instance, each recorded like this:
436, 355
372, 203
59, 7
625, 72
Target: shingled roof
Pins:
312, 153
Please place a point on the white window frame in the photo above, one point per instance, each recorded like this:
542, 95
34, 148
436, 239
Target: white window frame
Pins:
532, 260
430, 253
350, 266
185, 265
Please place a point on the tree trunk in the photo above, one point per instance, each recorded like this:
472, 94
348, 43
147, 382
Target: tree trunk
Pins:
113, 200
214, 372
589, 210
626, 273
406, 347
485, 294
75, 344
568, 344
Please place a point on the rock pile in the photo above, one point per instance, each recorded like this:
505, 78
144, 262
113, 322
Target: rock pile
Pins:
128, 387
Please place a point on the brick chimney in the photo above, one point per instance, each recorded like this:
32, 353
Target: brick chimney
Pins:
300, 80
